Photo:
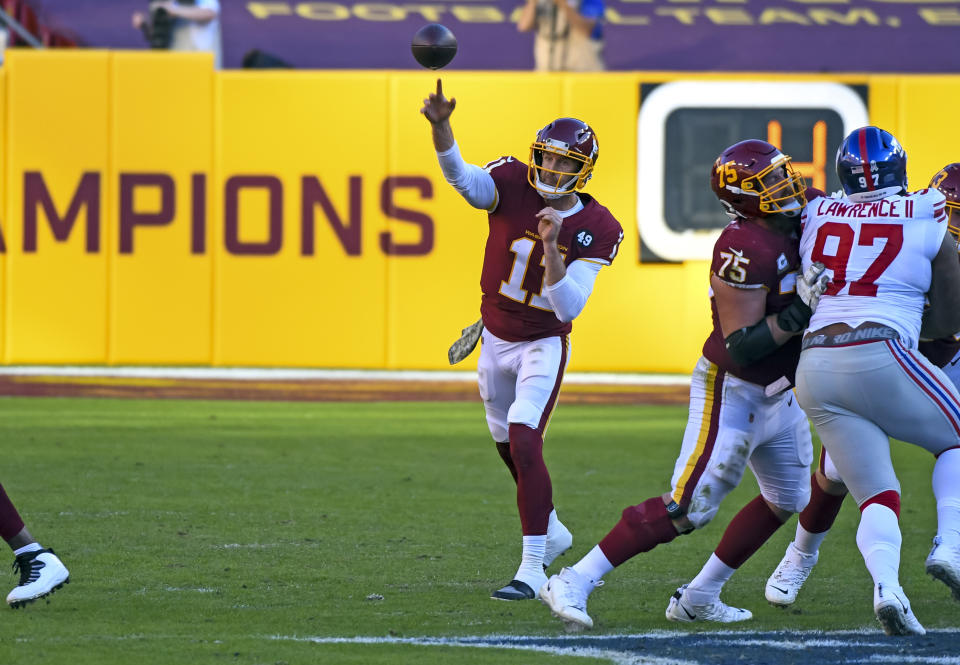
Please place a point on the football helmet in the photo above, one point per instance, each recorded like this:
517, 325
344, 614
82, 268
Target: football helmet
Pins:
871, 165
754, 179
947, 182
566, 137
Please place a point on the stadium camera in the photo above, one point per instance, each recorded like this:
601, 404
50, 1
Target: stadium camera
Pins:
160, 31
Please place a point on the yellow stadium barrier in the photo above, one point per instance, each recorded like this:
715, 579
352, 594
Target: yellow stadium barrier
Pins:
158, 212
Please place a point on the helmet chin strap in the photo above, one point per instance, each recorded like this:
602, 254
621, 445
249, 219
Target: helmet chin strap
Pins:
544, 189
791, 210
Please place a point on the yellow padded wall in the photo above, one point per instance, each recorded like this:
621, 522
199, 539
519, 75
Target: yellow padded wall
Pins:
58, 217
161, 157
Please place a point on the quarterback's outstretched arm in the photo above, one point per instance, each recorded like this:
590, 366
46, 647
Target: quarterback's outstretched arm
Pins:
473, 183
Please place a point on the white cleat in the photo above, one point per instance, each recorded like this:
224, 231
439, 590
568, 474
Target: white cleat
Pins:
559, 540
41, 573
943, 563
787, 580
566, 596
681, 609
893, 611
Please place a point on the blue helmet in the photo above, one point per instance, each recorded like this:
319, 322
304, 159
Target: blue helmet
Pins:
871, 164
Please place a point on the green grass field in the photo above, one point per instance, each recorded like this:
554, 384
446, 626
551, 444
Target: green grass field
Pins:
227, 532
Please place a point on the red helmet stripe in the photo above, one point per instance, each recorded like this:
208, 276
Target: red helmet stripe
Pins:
863, 158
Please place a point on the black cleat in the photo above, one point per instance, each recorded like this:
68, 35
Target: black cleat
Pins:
516, 590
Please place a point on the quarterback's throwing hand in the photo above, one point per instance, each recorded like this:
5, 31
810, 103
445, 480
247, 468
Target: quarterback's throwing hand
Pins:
549, 226
436, 107
812, 284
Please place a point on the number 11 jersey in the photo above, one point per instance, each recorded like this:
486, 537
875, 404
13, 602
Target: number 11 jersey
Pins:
878, 257
514, 307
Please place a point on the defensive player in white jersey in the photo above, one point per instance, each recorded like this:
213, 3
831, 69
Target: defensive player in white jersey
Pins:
860, 378
827, 488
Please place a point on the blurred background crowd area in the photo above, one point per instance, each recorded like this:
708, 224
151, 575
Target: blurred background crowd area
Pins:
628, 35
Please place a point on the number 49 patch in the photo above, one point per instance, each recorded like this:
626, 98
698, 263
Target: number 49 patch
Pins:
584, 238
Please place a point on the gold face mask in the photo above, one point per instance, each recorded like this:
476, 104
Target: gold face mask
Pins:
567, 182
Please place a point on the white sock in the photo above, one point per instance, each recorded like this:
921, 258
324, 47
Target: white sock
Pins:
708, 583
947, 491
594, 565
531, 565
879, 539
32, 547
808, 543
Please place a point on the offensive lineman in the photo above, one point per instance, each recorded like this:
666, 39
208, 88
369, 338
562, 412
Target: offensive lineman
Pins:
742, 411
860, 378
828, 490
547, 242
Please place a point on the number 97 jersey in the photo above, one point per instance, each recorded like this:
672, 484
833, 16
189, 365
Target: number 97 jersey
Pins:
514, 306
878, 257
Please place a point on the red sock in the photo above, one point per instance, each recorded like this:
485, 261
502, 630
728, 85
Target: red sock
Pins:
821, 512
640, 529
503, 447
10, 522
750, 529
534, 491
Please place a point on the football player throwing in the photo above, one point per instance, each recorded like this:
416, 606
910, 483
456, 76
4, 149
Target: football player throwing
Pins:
547, 242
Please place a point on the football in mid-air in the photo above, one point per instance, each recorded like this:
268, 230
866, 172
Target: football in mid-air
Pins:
434, 46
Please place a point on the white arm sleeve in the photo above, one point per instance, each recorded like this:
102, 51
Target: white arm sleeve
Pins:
569, 295
473, 183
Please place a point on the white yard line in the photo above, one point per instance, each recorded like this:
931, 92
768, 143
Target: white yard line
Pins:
573, 645
614, 656
611, 647
294, 374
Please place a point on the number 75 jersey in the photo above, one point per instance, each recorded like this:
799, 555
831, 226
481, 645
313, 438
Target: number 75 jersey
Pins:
878, 257
514, 306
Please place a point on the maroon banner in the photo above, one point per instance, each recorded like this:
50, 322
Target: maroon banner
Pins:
705, 35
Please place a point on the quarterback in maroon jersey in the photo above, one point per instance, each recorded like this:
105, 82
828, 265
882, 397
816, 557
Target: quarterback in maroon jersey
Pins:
547, 241
742, 412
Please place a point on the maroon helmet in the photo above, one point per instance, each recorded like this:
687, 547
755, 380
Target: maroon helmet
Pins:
567, 137
754, 179
947, 182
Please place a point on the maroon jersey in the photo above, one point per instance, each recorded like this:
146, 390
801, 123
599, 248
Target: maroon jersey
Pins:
940, 351
513, 307
748, 255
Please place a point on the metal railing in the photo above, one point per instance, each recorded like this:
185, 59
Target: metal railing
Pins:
21, 31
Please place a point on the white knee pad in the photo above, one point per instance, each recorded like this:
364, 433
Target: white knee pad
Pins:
525, 412
498, 430
728, 462
791, 501
706, 500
